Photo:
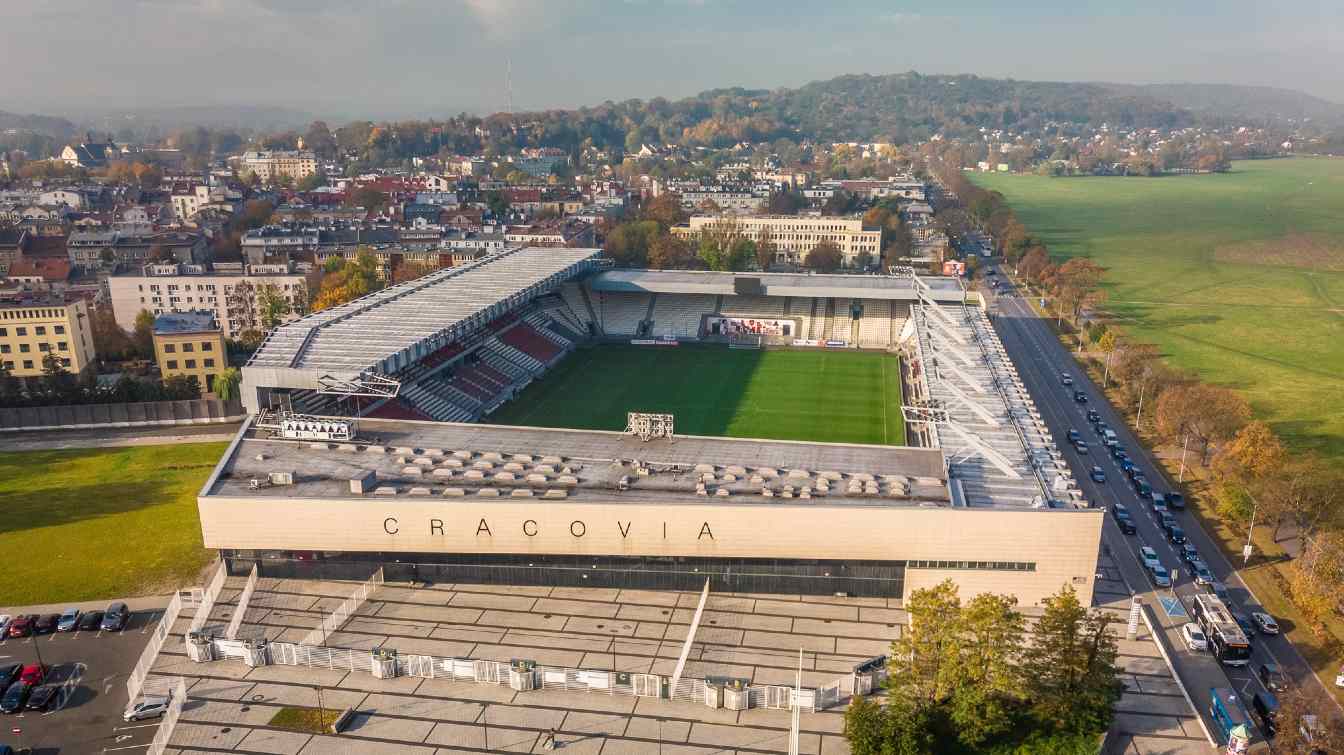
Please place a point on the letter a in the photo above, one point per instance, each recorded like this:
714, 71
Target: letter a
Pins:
483, 527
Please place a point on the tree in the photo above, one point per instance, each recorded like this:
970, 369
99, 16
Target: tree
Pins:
370, 198
898, 242
58, 383
143, 333
628, 244
667, 252
899, 728
766, 249
785, 202
1108, 343
665, 210
226, 385
320, 140
1208, 413
1069, 667
10, 391
347, 280
825, 257
251, 338
1076, 285
839, 203
985, 667
497, 202
1315, 578
181, 388
1307, 722
110, 342
273, 305
312, 181
923, 663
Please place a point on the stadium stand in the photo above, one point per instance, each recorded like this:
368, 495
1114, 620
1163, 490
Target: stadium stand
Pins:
900, 312
622, 314
875, 325
800, 309
753, 306
820, 320
560, 318
577, 300
396, 409
843, 321
680, 315
526, 339
430, 398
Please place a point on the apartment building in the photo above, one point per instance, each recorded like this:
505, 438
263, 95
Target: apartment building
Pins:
190, 343
35, 325
726, 200
233, 296
794, 235
270, 165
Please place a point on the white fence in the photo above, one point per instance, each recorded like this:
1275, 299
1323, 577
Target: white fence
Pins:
236, 622
344, 611
169, 721
182, 600
210, 596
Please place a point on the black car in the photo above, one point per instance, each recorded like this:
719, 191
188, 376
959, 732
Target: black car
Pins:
1266, 707
8, 673
1074, 436
115, 617
42, 697
89, 621
1118, 452
1272, 677
1176, 501
1093, 415
1176, 535
1080, 397
1122, 520
46, 624
1244, 621
15, 696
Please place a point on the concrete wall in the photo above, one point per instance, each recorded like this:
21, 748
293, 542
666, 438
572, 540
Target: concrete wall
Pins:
146, 414
1062, 544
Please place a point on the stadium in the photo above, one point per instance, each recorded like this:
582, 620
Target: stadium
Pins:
537, 417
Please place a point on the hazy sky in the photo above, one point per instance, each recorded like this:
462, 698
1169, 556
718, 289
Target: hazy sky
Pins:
437, 57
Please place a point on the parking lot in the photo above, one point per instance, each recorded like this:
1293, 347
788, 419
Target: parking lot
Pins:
92, 667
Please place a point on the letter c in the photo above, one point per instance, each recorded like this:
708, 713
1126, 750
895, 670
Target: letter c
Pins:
388, 526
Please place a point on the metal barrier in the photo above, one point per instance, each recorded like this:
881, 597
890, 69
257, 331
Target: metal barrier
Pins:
169, 722
135, 683
209, 597
236, 622
344, 611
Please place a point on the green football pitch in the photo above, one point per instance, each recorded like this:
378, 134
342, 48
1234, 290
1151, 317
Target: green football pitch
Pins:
826, 396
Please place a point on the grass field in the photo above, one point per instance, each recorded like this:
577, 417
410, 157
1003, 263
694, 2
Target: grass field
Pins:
827, 396
1239, 277
100, 523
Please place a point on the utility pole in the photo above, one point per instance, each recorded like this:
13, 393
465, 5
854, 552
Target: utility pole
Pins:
321, 709
1246, 551
1185, 444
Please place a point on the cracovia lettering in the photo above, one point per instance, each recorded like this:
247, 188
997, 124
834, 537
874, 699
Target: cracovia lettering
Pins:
533, 531
625, 530
436, 526
390, 526
705, 530
577, 528
483, 527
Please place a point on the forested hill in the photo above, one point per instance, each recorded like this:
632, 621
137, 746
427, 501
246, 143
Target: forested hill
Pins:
1239, 102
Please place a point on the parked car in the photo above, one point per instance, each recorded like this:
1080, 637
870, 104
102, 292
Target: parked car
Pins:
1159, 500
1244, 621
89, 621
1201, 571
115, 617
149, 707
1141, 487
1175, 534
34, 673
1149, 556
1098, 475
1122, 519
41, 698
1118, 452
1188, 553
1272, 677
9, 673
4, 623
1176, 501
1265, 623
69, 620
1065, 378
46, 624
1166, 521
15, 697
1194, 637
1266, 707
1161, 577
1093, 415
22, 626
1081, 446
1080, 397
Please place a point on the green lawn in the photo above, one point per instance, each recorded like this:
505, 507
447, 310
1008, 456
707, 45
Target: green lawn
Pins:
1239, 277
827, 396
98, 523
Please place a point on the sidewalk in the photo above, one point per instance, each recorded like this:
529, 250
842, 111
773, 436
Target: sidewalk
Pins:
147, 603
46, 440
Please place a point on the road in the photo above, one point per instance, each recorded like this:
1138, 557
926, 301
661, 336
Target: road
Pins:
1041, 359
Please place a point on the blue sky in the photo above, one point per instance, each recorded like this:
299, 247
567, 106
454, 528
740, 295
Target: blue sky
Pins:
425, 57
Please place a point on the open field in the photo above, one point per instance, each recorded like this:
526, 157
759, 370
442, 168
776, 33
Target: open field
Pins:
98, 523
1239, 277
827, 396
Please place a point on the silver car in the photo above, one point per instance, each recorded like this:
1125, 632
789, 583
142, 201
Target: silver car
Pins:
149, 707
69, 620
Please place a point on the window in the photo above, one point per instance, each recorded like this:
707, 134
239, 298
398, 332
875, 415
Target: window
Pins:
9, 364
4, 348
206, 346
188, 347
172, 364
44, 347
191, 364
65, 362
24, 348
169, 348
209, 363
62, 345
27, 364
3, 332
20, 331
40, 330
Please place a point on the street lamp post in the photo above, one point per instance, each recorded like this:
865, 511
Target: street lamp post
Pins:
1185, 444
1246, 551
321, 709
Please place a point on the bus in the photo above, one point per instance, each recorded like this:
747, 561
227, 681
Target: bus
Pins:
1230, 718
1226, 640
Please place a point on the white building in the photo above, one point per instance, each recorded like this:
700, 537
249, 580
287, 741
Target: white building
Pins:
794, 236
231, 295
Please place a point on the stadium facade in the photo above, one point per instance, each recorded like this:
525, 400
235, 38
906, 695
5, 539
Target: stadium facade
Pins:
428, 489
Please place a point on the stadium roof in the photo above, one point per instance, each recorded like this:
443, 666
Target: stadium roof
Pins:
776, 284
389, 329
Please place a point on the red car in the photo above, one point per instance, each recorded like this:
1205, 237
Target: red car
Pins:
22, 626
34, 673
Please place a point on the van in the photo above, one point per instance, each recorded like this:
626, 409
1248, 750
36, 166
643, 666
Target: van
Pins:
1266, 707
1109, 438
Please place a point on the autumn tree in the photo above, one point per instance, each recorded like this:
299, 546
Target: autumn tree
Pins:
110, 342
667, 252
1316, 578
665, 210
923, 663
785, 202
371, 198
825, 257
1207, 413
142, 334
1076, 286
272, 305
765, 249
628, 244
347, 280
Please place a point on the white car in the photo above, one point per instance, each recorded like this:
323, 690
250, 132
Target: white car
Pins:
1265, 623
1194, 637
149, 707
4, 623
1149, 557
